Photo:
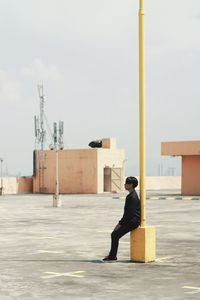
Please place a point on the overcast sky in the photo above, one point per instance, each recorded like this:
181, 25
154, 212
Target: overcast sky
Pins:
86, 54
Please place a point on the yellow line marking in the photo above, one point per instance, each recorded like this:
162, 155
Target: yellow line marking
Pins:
47, 251
191, 287
69, 274
160, 259
45, 237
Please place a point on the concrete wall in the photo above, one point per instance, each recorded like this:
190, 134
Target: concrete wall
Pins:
152, 183
77, 171
10, 185
163, 183
25, 185
191, 175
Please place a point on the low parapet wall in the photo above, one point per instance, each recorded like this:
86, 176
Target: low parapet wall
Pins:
13, 185
10, 185
25, 185
163, 182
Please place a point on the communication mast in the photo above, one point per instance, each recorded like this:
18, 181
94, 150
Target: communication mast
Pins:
40, 133
40, 136
40, 139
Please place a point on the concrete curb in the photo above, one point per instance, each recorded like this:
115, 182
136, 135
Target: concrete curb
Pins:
172, 198
166, 198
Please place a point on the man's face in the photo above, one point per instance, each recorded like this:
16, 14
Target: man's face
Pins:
128, 186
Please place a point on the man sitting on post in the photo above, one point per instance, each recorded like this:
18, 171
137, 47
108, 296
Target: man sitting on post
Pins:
130, 219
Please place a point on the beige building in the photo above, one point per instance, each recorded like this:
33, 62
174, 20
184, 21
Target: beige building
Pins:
190, 153
81, 171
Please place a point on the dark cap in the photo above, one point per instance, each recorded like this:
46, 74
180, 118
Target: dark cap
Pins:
132, 180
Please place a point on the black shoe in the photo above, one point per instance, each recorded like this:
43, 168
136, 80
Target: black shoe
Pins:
109, 259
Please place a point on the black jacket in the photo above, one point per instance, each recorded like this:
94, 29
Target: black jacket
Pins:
132, 210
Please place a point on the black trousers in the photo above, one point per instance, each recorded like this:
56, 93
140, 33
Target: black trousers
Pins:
117, 234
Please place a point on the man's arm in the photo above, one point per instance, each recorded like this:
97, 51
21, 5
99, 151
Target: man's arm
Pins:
129, 209
117, 227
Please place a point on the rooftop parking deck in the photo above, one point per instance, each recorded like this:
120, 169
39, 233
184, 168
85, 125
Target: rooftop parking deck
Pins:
54, 253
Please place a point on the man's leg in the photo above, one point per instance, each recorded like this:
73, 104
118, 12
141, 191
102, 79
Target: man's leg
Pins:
115, 236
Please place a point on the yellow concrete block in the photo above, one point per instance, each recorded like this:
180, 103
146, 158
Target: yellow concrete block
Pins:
143, 244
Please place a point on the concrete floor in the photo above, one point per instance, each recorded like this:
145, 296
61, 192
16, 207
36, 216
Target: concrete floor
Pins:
54, 253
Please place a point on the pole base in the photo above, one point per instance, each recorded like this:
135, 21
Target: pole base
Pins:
143, 244
57, 201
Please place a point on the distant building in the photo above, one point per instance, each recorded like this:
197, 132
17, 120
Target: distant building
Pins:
190, 153
81, 171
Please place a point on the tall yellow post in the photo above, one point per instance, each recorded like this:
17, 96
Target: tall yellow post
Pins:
143, 239
142, 114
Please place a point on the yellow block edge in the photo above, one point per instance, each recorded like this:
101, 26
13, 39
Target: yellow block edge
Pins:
143, 244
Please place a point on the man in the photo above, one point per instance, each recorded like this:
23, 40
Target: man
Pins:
130, 219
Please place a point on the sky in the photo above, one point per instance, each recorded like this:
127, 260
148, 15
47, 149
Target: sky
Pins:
85, 52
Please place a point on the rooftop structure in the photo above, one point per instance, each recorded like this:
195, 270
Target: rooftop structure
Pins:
190, 153
84, 171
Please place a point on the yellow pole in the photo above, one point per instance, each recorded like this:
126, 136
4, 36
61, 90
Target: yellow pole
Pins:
142, 114
143, 239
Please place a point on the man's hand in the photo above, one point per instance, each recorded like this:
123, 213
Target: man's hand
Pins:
117, 227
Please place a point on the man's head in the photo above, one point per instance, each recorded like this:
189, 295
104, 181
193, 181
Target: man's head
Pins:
131, 183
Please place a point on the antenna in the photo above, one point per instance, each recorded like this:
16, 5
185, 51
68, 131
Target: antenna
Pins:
39, 122
37, 131
55, 139
58, 135
42, 131
40, 135
35, 123
61, 132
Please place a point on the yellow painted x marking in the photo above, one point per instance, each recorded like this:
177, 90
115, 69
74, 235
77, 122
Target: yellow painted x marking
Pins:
69, 274
48, 251
194, 289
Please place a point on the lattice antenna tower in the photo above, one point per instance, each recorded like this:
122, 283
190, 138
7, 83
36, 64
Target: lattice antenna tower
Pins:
40, 133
